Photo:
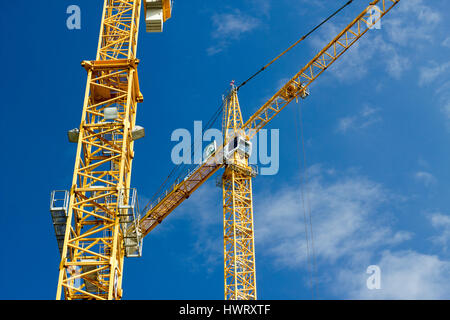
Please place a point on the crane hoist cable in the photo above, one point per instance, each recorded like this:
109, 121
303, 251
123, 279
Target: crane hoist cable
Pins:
309, 235
294, 44
179, 171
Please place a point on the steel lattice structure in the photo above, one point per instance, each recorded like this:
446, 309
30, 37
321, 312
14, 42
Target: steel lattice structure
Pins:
238, 235
93, 253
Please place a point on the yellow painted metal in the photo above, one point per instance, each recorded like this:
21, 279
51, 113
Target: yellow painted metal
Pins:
176, 195
238, 236
167, 9
238, 231
93, 255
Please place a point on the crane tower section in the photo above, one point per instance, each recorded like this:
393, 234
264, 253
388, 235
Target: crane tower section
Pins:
101, 205
239, 242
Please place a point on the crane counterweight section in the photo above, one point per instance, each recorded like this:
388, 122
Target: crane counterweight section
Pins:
156, 13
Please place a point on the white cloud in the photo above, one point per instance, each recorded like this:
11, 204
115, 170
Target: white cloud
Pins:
402, 29
443, 95
446, 42
261, 6
203, 212
365, 118
441, 222
425, 177
412, 23
434, 74
229, 27
430, 74
352, 230
405, 275
397, 64
233, 25
346, 218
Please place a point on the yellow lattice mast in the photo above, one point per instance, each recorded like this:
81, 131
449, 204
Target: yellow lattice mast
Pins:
101, 205
238, 235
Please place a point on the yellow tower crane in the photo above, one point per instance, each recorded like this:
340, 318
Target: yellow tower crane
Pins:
239, 249
92, 219
97, 223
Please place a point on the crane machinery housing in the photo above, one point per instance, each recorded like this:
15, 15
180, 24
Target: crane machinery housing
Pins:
98, 222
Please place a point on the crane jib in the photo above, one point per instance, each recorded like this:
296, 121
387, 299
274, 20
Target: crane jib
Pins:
314, 68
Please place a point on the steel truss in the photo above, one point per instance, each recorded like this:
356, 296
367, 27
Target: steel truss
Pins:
93, 253
238, 241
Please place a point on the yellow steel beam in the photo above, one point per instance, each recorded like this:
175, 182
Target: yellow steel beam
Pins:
92, 259
238, 241
167, 9
177, 194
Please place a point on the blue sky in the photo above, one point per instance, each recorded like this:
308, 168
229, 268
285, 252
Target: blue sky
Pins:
376, 129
